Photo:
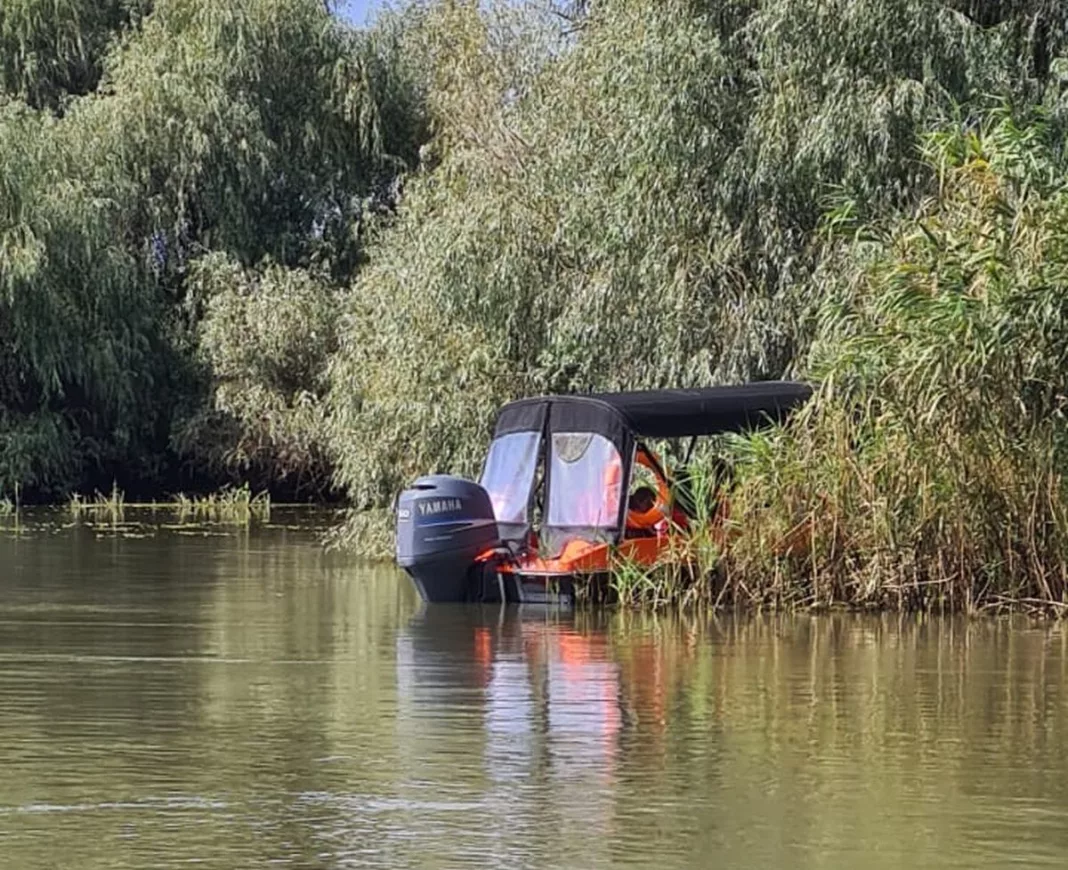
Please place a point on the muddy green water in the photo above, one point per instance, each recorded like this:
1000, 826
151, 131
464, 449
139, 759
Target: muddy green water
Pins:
195, 696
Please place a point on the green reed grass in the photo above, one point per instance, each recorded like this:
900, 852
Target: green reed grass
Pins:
110, 507
685, 571
231, 506
237, 506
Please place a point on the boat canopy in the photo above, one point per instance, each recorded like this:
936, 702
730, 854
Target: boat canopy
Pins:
590, 441
659, 413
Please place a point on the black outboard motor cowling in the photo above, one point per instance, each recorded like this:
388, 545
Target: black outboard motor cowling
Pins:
443, 523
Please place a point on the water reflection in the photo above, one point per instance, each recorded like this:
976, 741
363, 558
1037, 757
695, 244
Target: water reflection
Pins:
529, 675
801, 742
241, 699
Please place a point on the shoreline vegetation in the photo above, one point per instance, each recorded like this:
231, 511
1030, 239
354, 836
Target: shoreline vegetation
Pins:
247, 248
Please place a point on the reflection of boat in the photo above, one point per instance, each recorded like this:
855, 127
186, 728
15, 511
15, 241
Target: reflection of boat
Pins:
515, 717
529, 680
561, 491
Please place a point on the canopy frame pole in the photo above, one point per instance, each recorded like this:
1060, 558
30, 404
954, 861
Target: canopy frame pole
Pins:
689, 450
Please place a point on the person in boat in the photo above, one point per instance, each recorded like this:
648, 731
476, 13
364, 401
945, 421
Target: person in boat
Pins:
642, 499
640, 503
650, 504
640, 521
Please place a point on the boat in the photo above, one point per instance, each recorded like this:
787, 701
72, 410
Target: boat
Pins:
569, 484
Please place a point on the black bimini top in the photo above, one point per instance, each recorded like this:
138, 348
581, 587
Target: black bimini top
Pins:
709, 410
659, 413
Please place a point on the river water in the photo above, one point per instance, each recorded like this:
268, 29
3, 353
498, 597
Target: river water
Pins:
177, 695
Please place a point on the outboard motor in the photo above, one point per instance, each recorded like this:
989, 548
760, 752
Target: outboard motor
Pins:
443, 523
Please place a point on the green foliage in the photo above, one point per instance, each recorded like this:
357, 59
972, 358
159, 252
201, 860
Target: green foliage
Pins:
53, 49
644, 210
76, 365
255, 129
265, 337
930, 470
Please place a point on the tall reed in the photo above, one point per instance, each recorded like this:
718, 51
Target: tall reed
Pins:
929, 470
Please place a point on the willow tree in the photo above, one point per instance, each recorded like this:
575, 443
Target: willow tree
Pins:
644, 210
253, 130
53, 50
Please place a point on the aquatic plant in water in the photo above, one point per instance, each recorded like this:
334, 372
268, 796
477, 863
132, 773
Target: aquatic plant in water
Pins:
234, 506
111, 506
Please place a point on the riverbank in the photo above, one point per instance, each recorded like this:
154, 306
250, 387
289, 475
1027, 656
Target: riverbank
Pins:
712, 570
911, 259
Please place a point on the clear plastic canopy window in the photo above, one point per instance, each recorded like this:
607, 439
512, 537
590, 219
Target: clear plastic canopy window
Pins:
509, 475
585, 481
